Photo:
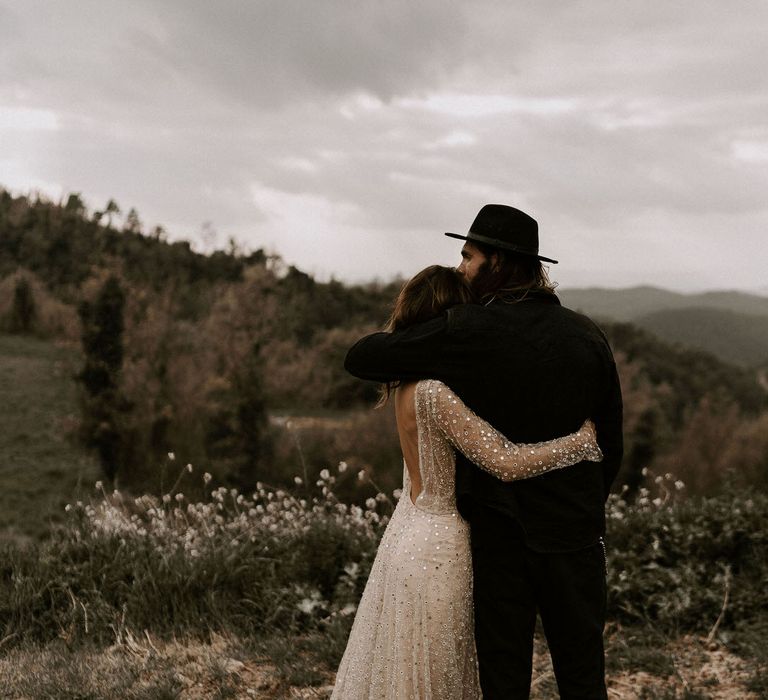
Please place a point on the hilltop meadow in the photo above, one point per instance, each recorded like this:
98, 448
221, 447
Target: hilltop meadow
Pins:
193, 489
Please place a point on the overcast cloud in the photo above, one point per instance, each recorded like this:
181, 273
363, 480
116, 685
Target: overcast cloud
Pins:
347, 136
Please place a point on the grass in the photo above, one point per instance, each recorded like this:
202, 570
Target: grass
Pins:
41, 468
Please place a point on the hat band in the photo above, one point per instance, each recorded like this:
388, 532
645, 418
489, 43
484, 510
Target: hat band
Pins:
472, 236
496, 243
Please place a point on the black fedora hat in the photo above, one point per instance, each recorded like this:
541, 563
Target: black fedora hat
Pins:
501, 226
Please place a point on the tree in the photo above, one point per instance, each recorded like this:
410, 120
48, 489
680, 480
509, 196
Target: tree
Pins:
643, 451
236, 438
75, 204
111, 209
132, 222
102, 339
24, 310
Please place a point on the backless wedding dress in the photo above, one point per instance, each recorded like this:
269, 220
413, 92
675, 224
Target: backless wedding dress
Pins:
413, 635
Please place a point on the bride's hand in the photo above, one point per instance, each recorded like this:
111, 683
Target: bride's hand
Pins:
588, 431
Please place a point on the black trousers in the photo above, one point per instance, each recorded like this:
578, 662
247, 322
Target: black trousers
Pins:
512, 582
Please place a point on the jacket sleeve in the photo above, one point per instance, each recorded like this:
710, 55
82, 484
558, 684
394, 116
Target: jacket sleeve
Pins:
413, 353
490, 450
608, 419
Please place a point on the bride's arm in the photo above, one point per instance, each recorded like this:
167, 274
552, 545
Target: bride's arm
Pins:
491, 451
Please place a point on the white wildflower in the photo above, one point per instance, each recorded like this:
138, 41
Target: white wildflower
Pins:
297, 480
189, 468
679, 485
361, 474
657, 502
179, 497
98, 486
167, 498
370, 503
307, 605
171, 456
207, 478
342, 467
325, 474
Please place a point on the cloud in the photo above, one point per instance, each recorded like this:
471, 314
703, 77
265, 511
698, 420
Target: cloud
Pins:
374, 127
25, 119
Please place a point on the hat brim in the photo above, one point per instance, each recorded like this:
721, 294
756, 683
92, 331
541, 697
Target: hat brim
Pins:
499, 244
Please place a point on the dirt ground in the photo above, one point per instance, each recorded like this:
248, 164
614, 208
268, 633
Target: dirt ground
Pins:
144, 668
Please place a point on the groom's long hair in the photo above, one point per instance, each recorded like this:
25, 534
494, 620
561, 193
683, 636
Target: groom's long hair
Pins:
513, 277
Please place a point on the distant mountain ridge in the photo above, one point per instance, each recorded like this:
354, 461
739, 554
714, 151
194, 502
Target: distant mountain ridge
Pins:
634, 302
729, 324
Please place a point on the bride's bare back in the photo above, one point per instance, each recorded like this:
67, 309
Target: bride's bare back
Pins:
405, 413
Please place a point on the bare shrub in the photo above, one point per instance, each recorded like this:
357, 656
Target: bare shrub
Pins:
52, 318
718, 444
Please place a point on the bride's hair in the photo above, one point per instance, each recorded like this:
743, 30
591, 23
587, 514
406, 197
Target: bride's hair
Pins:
427, 295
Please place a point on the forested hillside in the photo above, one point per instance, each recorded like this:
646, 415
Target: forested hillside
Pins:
232, 361
736, 337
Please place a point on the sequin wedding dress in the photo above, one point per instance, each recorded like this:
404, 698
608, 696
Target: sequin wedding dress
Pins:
412, 637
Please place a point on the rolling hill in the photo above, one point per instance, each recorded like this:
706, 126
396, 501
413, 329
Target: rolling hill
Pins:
737, 338
731, 325
635, 302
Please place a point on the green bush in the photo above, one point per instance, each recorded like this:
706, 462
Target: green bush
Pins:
671, 563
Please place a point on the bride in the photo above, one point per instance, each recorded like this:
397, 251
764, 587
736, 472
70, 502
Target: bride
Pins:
413, 633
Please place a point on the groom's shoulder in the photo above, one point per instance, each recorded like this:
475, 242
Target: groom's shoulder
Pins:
545, 315
465, 317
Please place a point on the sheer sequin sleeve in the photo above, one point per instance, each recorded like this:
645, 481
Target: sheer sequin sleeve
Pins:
491, 451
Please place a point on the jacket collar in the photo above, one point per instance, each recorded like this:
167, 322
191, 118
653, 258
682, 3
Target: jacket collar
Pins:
533, 295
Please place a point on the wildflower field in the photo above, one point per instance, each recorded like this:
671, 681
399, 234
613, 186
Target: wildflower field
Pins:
252, 595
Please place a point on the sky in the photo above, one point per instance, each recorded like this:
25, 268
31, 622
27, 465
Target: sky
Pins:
348, 135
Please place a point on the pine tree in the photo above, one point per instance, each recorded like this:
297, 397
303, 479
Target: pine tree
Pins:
24, 310
102, 338
236, 438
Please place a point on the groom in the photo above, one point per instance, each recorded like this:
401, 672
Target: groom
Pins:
534, 370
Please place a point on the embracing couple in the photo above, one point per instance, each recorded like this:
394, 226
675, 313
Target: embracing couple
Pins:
509, 414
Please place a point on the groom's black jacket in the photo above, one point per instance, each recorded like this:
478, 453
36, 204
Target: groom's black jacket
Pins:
534, 370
